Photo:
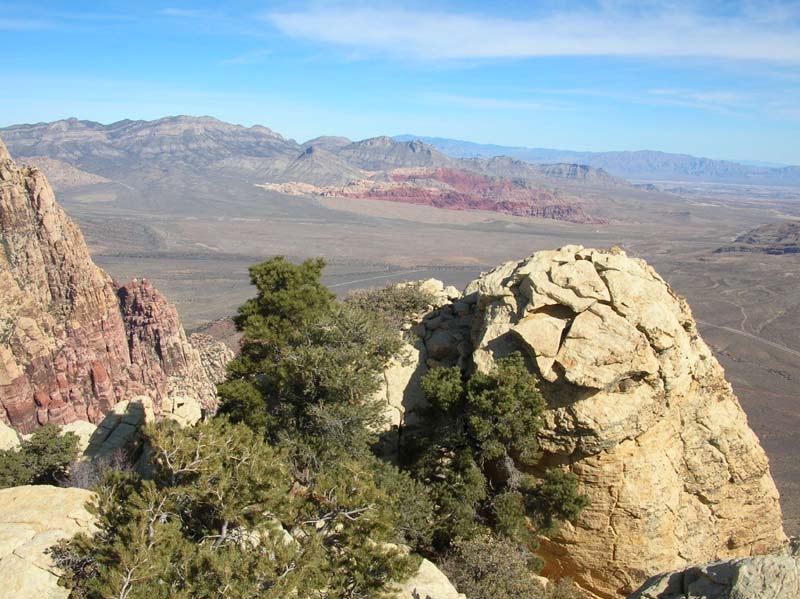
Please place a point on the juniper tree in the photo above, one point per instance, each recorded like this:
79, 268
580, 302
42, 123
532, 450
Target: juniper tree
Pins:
477, 450
42, 459
224, 516
310, 364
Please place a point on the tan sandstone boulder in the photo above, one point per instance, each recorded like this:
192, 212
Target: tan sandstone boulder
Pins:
400, 390
428, 583
9, 439
32, 519
775, 576
638, 408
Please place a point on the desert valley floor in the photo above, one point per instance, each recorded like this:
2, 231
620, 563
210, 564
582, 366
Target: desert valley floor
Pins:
747, 304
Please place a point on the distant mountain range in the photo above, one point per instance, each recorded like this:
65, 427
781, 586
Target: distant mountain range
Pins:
643, 165
187, 164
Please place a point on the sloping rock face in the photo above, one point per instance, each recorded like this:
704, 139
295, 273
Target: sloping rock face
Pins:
71, 343
9, 439
161, 355
400, 389
428, 583
33, 519
638, 408
762, 577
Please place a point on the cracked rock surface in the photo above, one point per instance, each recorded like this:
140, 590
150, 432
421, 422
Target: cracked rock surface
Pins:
774, 576
33, 519
638, 408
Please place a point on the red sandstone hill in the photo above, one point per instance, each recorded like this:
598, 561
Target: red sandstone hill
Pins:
72, 342
453, 189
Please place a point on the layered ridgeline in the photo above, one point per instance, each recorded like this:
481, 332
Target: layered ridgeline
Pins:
72, 342
644, 165
637, 407
215, 164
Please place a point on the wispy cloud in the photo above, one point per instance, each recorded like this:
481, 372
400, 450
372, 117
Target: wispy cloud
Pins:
714, 100
24, 24
676, 30
254, 57
187, 13
461, 101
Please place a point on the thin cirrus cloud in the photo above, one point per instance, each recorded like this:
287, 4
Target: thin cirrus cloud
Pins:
461, 101
677, 32
24, 24
254, 57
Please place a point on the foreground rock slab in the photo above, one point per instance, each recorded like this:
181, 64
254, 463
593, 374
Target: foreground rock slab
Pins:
761, 577
428, 583
32, 519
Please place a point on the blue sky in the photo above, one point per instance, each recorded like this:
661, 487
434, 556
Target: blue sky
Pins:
718, 79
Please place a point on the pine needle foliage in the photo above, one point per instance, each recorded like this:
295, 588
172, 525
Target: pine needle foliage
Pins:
43, 459
225, 516
477, 452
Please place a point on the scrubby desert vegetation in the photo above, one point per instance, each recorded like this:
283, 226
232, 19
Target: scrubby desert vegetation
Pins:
285, 492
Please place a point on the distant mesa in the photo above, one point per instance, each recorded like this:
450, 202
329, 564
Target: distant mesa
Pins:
188, 164
641, 165
451, 189
774, 239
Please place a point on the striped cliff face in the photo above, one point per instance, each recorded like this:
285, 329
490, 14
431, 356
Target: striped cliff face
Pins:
70, 345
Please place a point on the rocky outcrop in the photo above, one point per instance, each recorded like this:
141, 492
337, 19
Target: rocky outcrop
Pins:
33, 519
428, 583
161, 355
9, 439
775, 239
638, 408
214, 356
400, 389
451, 189
774, 576
72, 344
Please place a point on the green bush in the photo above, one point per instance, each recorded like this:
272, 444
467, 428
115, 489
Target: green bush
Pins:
491, 567
310, 364
476, 450
41, 460
395, 304
225, 515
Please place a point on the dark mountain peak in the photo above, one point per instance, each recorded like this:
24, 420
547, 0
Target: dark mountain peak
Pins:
328, 142
380, 141
380, 153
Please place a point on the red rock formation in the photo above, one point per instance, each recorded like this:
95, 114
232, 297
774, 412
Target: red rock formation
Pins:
70, 348
453, 189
